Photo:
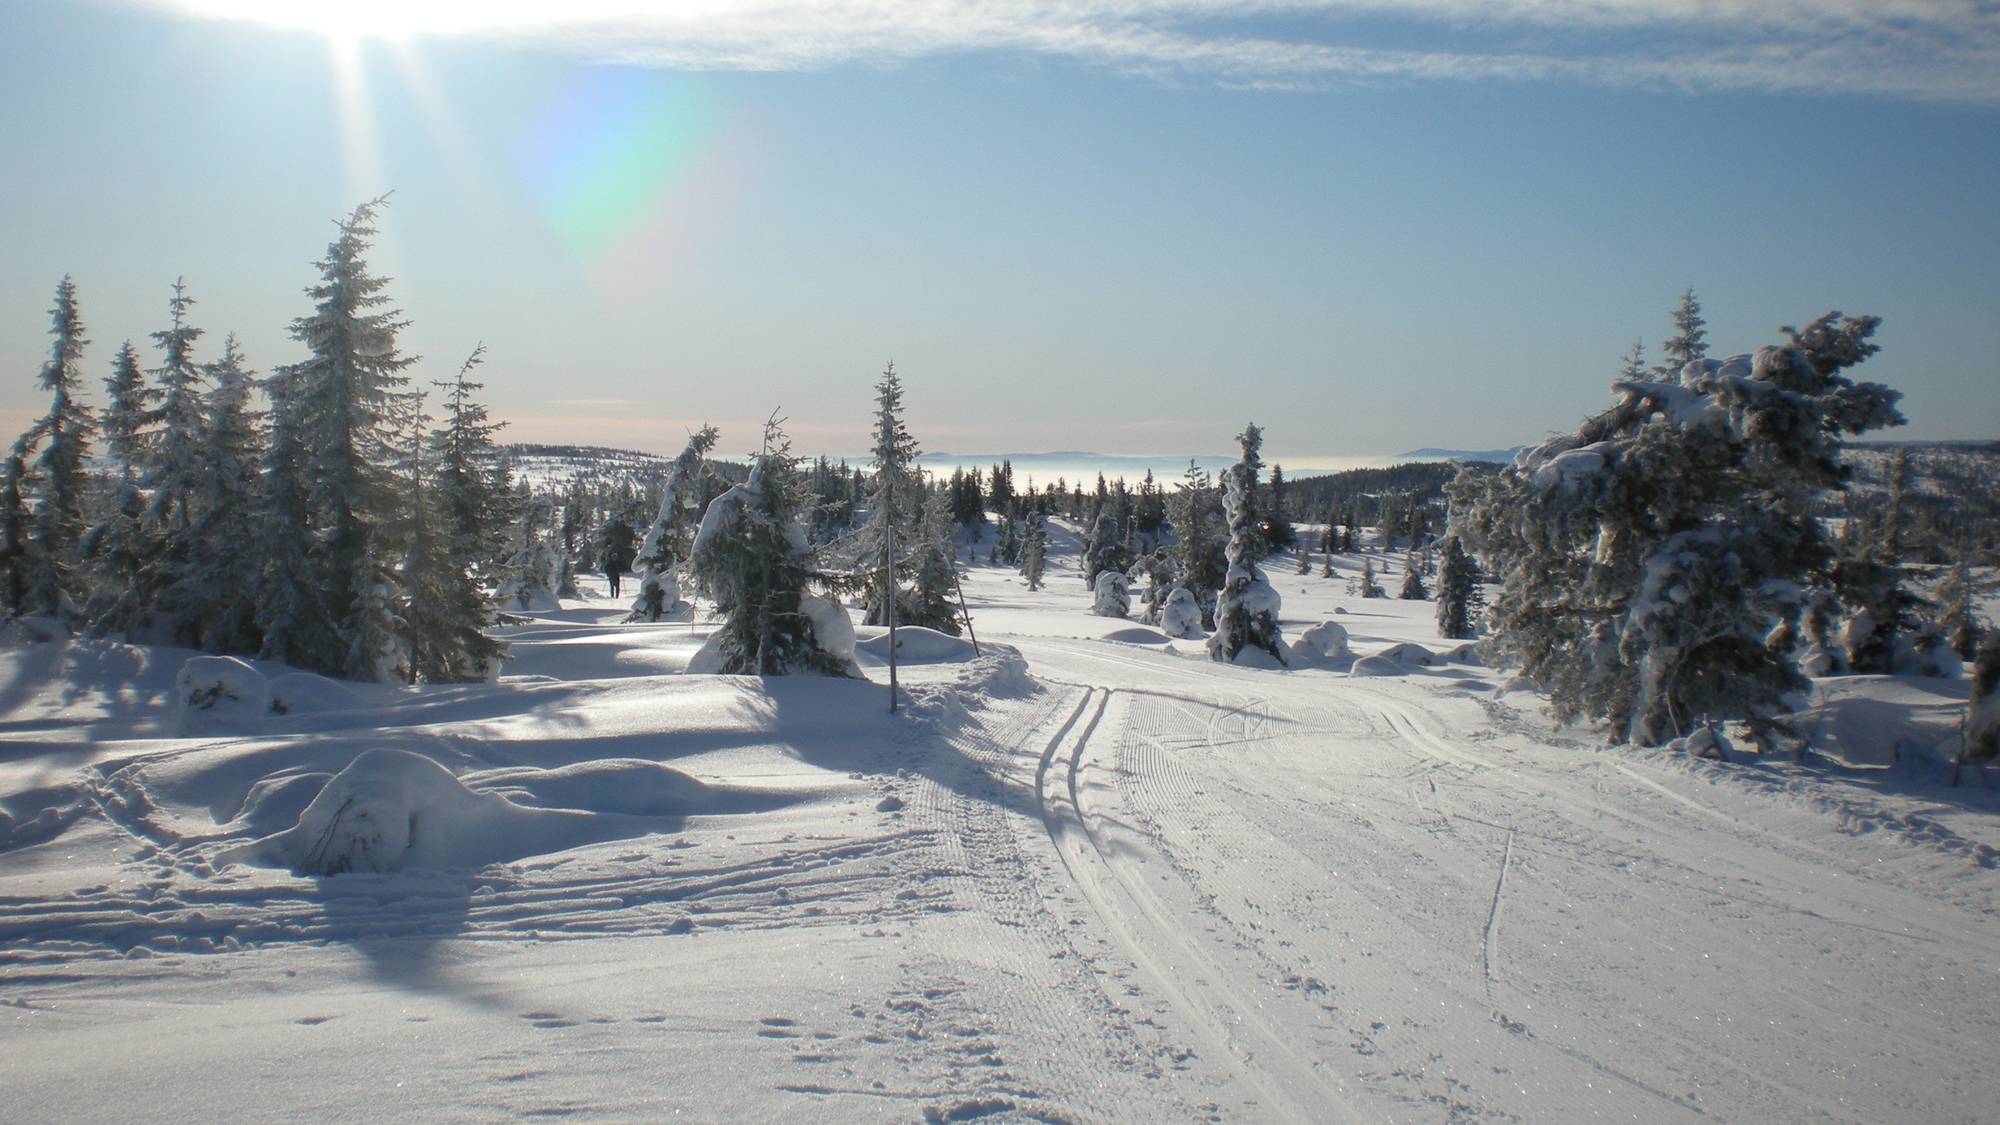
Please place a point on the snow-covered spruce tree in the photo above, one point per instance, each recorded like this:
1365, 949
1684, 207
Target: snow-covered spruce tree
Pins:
1873, 584
1646, 558
534, 571
1034, 546
1413, 582
1112, 595
1688, 344
1369, 588
932, 602
350, 403
179, 421
1458, 597
445, 611
667, 541
1958, 597
1279, 534
117, 546
1246, 610
1198, 554
291, 614
53, 585
893, 502
211, 595
1104, 549
16, 549
751, 554
1982, 712
474, 507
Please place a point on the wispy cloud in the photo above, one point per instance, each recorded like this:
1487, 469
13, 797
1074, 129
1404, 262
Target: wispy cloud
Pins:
1922, 50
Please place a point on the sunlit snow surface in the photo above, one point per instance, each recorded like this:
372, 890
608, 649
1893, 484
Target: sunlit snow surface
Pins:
1085, 875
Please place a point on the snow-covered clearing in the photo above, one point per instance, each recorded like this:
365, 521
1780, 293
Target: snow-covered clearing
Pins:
1087, 875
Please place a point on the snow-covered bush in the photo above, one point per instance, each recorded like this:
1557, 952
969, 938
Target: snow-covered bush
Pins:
220, 694
533, 574
1180, 614
1112, 596
1646, 557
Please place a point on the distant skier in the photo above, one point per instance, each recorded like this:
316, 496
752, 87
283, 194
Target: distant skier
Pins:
616, 548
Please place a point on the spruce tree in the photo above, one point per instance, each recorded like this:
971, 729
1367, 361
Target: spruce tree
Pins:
751, 555
1981, 741
1246, 610
1198, 554
16, 549
1033, 548
894, 503
667, 541
1688, 344
1413, 582
931, 602
474, 507
53, 584
1458, 598
346, 406
1646, 558
210, 597
128, 403
445, 612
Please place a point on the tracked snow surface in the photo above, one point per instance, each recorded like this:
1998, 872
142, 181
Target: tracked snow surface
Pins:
1086, 875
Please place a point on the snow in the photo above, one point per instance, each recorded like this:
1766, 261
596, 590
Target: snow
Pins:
1326, 641
221, 694
1086, 875
1180, 616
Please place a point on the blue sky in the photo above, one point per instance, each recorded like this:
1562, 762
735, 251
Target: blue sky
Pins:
1125, 227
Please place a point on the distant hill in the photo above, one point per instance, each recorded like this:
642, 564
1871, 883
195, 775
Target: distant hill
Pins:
1501, 456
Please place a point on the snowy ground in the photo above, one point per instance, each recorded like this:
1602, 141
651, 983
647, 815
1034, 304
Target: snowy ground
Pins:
1088, 875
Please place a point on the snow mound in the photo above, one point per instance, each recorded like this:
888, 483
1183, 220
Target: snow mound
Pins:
1137, 635
306, 693
1180, 616
707, 660
832, 629
1409, 655
1377, 666
918, 645
1324, 641
1467, 653
392, 810
618, 785
220, 695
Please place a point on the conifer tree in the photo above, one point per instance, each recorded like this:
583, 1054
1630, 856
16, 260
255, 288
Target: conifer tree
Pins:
931, 603
1633, 366
1413, 582
178, 421
345, 408
667, 541
1246, 610
1646, 558
1198, 554
1033, 548
445, 612
53, 584
128, 403
894, 499
210, 595
1688, 344
16, 558
1981, 742
751, 555
1278, 531
474, 506
1458, 597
